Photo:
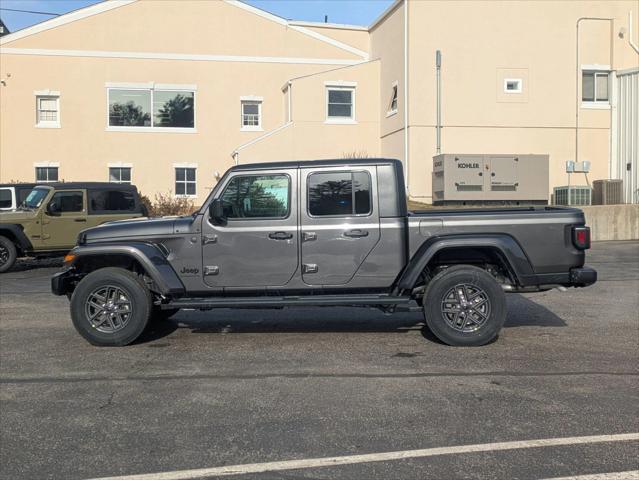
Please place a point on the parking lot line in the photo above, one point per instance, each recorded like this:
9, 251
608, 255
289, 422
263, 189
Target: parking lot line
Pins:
630, 475
374, 457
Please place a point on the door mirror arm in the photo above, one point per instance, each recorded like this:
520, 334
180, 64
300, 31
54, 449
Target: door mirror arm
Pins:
216, 212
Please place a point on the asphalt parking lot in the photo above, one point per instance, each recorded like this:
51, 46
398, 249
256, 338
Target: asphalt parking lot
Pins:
223, 388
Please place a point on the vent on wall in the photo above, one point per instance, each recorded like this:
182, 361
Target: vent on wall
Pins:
469, 188
504, 188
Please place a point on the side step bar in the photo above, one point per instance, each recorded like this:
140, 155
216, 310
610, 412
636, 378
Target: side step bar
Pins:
286, 301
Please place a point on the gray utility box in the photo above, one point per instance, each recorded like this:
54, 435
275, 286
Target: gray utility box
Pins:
490, 179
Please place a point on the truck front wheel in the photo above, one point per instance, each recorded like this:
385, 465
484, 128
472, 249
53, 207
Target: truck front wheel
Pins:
464, 306
111, 307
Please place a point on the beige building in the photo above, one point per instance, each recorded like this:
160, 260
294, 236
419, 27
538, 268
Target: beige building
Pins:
169, 94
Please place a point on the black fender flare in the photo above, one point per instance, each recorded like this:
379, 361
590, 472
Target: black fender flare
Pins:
505, 245
18, 234
148, 255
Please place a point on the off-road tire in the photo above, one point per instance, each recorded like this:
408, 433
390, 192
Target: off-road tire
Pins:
131, 296
464, 306
8, 254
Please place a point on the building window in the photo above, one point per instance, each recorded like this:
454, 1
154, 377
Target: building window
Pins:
185, 181
120, 175
595, 86
46, 174
340, 104
392, 106
339, 194
513, 85
48, 111
151, 108
251, 115
257, 196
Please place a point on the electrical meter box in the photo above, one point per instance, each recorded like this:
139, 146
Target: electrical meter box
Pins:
466, 179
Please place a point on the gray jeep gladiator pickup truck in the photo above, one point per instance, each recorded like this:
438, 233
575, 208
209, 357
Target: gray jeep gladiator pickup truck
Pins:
321, 233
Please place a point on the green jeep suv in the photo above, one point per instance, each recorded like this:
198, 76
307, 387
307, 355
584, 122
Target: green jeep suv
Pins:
48, 222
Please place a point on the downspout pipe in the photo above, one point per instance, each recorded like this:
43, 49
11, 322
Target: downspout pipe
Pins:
406, 144
438, 65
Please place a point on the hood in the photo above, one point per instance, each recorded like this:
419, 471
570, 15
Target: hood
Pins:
17, 216
133, 228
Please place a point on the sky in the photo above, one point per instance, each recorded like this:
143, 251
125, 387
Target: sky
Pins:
354, 12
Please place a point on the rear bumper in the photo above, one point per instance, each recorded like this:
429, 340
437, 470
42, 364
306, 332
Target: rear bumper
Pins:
582, 277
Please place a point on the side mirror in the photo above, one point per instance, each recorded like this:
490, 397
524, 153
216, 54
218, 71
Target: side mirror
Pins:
216, 211
53, 209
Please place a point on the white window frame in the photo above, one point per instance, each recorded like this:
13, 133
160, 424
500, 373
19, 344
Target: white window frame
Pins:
597, 70
394, 95
55, 165
151, 86
251, 100
520, 85
120, 165
341, 86
185, 182
47, 94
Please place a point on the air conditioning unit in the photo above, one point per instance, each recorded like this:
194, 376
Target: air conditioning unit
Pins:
607, 192
579, 195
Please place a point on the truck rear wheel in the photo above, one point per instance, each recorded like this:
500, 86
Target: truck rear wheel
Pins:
111, 307
464, 306
8, 254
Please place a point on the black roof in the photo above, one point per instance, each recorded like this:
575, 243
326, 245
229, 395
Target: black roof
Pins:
318, 163
92, 185
19, 185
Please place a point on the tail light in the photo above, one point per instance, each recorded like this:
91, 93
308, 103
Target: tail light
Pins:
581, 237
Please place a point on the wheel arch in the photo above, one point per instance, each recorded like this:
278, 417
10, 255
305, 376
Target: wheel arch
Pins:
467, 249
140, 257
15, 233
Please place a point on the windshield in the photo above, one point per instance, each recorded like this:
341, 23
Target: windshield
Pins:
34, 199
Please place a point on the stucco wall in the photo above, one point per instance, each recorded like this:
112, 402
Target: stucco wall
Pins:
83, 147
310, 136
482, 43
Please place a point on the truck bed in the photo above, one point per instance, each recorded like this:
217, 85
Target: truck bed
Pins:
542, 232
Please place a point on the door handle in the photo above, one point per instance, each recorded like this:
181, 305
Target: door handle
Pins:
357, 233
79, 219
280, 236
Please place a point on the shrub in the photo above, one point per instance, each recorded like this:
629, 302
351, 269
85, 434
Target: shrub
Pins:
165, 204
355, 154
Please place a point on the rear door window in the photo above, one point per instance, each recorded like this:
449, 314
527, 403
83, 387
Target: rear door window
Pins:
5, 198
111, 201
339, 194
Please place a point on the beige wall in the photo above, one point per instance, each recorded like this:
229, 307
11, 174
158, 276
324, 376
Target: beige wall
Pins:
310, 136
238, 52
387, 45
84, 148
482, 43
